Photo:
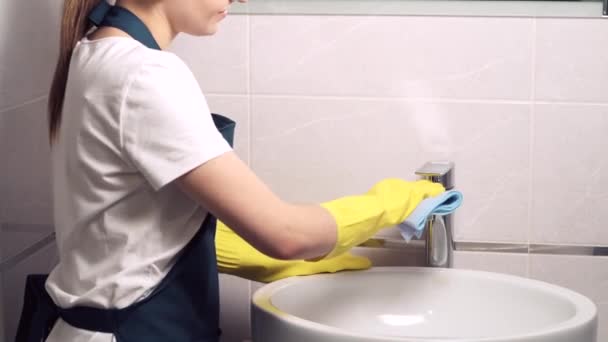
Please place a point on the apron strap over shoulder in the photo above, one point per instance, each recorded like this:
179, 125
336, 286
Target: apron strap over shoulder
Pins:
99, 12
121, 18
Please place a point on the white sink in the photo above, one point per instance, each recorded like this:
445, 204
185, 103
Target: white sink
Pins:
420, 304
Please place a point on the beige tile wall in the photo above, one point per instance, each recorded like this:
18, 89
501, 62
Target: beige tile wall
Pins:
25, 183
570, 180
28, 46
29, 32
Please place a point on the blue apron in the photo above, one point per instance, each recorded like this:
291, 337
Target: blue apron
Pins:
184, 307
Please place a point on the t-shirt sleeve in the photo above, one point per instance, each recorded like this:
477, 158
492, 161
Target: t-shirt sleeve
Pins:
167, 128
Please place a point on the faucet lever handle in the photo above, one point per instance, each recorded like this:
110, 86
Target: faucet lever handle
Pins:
438, 172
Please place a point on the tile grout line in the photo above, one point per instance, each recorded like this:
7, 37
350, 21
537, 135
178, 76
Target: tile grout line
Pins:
532, 137
28, 102
27, 252
250, 134
249, 95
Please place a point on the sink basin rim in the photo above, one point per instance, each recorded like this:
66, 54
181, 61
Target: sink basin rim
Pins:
585, 309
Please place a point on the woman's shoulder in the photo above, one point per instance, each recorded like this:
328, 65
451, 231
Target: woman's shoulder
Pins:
123, 68
126, 55
158, 79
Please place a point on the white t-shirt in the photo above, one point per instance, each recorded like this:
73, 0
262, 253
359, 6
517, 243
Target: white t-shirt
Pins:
134, 120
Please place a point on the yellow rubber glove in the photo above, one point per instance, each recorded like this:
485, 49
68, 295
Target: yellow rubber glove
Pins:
237, 257
358, 218
388, 203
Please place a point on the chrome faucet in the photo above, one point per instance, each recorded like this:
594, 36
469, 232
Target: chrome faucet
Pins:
439, 241
439, 234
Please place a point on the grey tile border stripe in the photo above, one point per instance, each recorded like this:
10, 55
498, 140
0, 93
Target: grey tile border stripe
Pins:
27, 252
464, 246
532, 248
494, 247
569, 250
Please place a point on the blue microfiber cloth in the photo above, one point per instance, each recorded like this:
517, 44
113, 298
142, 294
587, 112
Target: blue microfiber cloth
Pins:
443, 204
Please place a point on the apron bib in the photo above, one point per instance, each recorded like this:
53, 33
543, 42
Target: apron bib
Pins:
184, 307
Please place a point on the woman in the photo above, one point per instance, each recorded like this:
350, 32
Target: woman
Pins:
141, 170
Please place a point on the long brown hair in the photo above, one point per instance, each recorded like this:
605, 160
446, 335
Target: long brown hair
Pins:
74, 26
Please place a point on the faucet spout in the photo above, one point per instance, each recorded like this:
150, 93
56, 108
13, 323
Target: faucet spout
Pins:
439, 242
439, 234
